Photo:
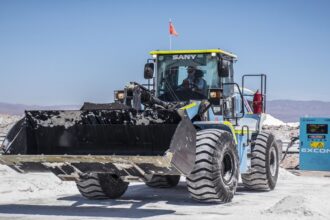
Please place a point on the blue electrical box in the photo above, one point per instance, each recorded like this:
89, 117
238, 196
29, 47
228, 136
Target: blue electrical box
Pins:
314, 144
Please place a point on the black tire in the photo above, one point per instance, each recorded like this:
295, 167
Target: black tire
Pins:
264, 163
101, 186
167, 181
215, 174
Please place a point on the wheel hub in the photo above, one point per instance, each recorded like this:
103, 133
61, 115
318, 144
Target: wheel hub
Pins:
227, 167
272, 161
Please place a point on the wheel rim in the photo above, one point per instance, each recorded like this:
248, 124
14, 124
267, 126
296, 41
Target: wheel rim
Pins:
272, 161
227, 170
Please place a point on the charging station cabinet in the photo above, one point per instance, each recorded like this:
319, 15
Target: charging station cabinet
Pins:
314, 144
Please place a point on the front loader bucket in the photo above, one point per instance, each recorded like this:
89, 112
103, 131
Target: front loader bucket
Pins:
109, 138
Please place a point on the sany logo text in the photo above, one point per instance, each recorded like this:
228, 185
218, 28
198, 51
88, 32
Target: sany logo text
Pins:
184, 57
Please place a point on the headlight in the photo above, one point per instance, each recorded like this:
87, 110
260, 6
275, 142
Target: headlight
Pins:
215, 94
120, 95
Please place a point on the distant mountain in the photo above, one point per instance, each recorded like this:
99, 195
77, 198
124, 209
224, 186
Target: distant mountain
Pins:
18, 109
291, 110
285, 110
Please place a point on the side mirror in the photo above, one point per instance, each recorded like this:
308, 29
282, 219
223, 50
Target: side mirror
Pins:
223, 68
149, 70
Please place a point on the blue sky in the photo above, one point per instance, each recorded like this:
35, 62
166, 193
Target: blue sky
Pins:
67, 52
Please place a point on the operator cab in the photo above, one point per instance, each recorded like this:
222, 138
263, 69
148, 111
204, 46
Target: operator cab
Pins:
185, 75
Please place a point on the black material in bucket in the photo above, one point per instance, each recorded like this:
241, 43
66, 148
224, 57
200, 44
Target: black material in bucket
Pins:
99, 132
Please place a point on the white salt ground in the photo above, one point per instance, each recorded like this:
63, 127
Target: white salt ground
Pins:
6, 122
271, 121
43, 196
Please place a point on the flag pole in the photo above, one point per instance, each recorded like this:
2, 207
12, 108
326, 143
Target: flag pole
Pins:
170, 42
170, 35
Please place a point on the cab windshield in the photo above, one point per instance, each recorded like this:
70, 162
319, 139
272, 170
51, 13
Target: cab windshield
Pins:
186, 76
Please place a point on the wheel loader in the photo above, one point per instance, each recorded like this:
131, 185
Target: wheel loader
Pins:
190, 119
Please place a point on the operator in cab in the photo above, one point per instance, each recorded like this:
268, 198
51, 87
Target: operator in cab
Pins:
195, 81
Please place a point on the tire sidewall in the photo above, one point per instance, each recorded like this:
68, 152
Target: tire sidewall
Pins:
163, 181
271, 143
226, 145
173, 180
112, 185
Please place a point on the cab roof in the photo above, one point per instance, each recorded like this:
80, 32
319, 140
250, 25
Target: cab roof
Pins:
168, 52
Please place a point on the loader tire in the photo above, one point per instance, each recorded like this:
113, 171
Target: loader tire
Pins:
215, 174
264, 163
101, 186
167, 181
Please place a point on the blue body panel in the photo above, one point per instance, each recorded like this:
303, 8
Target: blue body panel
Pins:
216, 121
243, 152
192, 111
314, 144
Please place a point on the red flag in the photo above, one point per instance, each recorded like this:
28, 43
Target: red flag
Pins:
172, 30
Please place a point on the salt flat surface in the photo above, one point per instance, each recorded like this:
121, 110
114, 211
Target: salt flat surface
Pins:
6, 122
43, 196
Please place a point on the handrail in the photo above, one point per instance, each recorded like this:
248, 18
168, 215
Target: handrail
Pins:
263, 86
